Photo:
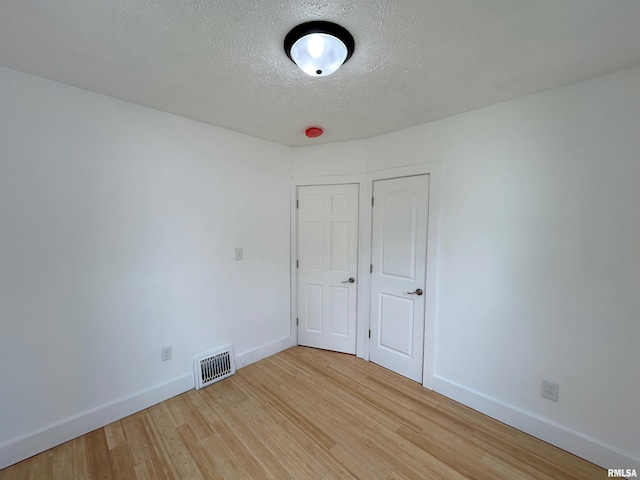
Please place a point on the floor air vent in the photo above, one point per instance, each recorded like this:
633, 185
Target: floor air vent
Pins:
214, 365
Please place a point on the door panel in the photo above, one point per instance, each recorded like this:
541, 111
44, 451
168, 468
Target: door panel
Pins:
398, 232
340, 246
396, 324
340, 311
327, 258
311, 245
313, 309
399, 248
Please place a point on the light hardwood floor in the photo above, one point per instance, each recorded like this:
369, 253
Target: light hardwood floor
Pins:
307, 414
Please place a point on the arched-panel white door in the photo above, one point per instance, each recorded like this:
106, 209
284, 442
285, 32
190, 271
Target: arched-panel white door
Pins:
399, 250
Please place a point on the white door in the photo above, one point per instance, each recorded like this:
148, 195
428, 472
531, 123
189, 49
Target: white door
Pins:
327, 266
399, 251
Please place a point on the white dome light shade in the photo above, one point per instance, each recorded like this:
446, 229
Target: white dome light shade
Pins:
319, 54
319, 48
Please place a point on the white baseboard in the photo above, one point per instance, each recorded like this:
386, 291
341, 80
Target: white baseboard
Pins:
33, 443
263, 351
72, 427
595, 451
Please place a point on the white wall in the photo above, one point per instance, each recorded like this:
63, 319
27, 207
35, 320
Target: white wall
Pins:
538, 259
329, 159
118, 226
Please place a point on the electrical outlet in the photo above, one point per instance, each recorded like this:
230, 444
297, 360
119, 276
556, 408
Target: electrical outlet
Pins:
166, 353
550, 390
239, 254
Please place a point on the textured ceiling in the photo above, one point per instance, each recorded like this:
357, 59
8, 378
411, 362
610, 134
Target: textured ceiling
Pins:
222, 62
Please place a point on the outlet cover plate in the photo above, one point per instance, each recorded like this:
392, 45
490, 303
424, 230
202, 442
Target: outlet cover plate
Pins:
239, 254
550, 390
166, 353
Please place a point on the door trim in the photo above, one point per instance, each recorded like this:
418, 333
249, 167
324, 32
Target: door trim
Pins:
431, 310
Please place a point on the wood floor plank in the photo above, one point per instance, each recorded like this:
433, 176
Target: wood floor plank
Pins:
98, 458
114, 434
360, 466
122, 463
204, 463
62, 467
168, 454
43, 466
240, 453
80, 465
148, 470
239, 423
307, 414
137, 439
298, 461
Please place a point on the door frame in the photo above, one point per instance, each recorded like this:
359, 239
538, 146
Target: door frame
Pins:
363, 279
431, 308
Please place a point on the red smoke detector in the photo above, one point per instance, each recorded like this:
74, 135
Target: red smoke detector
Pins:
313, 132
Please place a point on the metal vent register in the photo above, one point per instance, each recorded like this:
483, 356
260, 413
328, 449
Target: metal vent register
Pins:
214, 365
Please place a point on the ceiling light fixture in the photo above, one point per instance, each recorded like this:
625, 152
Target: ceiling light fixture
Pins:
319, 48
